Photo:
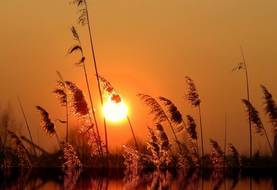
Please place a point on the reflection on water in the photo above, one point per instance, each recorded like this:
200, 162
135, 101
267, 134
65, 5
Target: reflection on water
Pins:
55, 179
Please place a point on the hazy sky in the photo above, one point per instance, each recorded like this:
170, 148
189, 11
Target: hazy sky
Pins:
143, 46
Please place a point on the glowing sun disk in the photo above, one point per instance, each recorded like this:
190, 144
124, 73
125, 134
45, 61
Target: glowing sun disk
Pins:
114, 111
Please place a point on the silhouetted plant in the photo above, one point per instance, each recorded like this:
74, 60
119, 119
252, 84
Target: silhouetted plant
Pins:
217, 155
61, 93
81, 62
165, 157
71, 159
111, 93
193, 97
153, 146
85, 20
47, 124
235, 156
270, 107
26, 123
256, 121
271, 111
159, 114
21, 152
242, 66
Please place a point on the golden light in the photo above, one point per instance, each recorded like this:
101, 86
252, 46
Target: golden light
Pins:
115, 111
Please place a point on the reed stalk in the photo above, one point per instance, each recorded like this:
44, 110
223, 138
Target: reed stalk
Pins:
96, 71
26, 124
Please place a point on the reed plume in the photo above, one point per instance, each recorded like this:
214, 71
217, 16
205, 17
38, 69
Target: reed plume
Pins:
71, 159
159, 114
47, 124
21, 152
77, 98
153, 146
235, 156
192, 96
256, 121
175, 115
110, 92
78, 48
61, 92
164, 146
271, 111
217, 155
191, 128
270, 107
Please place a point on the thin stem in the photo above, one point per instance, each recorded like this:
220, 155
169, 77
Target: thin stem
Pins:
174, 134
269, 144
201, 130
58, 140
67, 124
93, 111
225, 141
96, 72
248, 98
134, 137
27, 124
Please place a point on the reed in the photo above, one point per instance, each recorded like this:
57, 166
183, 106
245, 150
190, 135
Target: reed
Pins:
80, 108
85, 20
47, 124
271, 111
217, 155
110, 92
242, 66
192, 96
159, 114
26, 123
61, 93
81, 62
256, 121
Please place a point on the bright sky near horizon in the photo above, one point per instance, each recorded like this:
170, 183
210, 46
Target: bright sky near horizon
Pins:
148, 47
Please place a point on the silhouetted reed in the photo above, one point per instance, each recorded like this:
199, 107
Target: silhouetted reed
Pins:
242, 66
61, 93
47, 124
217, 155
235, 156
256, 121
71, 159
271, 111
21, 152
85, 20
110, 93
159, 114
78, 48
193, 97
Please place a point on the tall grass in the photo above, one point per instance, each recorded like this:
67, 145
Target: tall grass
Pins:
158, 113
26, 123
111, 93
78, 48
62, 95
85, 20
242, 66
47, 124
256, 121
193, 97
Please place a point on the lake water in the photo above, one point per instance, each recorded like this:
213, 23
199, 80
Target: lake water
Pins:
54, 179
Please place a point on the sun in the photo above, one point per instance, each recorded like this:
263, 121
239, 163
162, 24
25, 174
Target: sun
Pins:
115, 111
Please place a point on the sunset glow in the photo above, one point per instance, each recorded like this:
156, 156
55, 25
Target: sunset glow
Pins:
115, 111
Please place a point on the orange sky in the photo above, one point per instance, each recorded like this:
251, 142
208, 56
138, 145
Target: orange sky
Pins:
143, 47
